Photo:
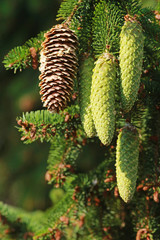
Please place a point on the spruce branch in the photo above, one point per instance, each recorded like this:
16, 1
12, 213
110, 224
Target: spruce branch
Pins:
66, 9
130, 7
19, 57
107, 23
62, 160
24, 56
44, 125
81, 23
151, 28
99, 28
20, 220
52, 216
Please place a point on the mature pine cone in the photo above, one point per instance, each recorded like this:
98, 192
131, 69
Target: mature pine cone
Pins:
58, 67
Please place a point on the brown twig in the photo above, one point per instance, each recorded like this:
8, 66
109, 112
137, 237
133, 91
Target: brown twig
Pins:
73, 12
140, 232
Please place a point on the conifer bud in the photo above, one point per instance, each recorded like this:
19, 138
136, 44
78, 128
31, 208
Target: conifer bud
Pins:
127, 154
103, 97
131, 57
58, 67
85, 81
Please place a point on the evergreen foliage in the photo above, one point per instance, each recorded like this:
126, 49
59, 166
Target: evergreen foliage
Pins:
56, 153
91, 206
66, 9
99, 28
20, 221
107, 22
22, 57
43, 125
52, 217
152, 34
81, 24
61, 160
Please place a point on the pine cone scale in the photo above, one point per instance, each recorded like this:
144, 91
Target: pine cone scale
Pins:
59, 31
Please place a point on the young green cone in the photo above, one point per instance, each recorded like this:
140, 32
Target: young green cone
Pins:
103, 97
131, 56
127, 153
85, 81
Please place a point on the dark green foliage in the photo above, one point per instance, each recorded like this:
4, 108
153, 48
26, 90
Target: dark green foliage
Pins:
152, 35
35, 223
130, 7
62, 160
115, 20
81, 20
107, 22
19, 220
66, 9
62, 205
81, 24
149, 135
52, 216
152, 86
100, 28
56, 153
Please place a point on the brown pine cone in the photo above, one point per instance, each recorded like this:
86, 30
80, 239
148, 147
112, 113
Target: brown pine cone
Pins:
58, 67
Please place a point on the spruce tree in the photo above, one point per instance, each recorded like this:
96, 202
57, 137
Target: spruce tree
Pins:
108, 110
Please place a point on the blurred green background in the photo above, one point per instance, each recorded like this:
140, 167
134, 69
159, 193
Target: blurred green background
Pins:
23, 167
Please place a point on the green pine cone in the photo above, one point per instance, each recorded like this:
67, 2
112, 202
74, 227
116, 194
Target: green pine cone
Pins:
85, 74
127, 153
103, 97
131, 56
